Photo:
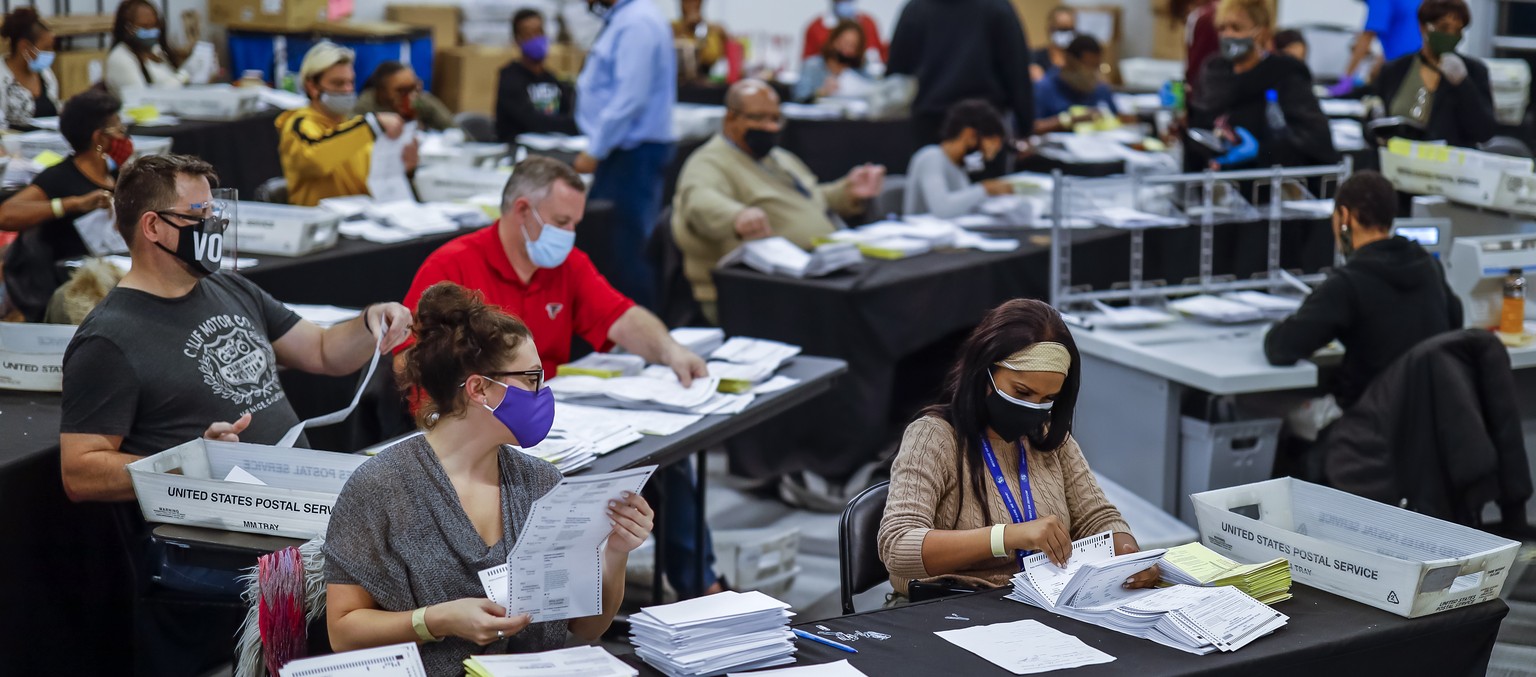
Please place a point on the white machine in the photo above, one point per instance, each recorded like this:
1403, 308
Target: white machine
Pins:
1433, 234
1478, 268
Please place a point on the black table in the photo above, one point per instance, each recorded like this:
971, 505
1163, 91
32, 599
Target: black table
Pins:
243, 151
1326, 635
832, 147
352, 274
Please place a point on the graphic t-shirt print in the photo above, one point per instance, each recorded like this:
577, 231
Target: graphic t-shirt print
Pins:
235, 360
545, 97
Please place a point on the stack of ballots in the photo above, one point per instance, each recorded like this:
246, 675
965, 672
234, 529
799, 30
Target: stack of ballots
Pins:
1090, 589
1194, 564
737, 370
778, 256
731, 631
577, 661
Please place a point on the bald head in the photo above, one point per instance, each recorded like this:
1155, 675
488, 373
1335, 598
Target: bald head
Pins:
746, 91
750, 105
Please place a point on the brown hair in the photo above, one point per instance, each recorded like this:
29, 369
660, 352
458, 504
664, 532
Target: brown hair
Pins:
22, 23
1435, 10
456, 334
1257, 11
148, 184
829, 51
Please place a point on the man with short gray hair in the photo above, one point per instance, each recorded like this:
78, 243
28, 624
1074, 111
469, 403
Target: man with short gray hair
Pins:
527, 264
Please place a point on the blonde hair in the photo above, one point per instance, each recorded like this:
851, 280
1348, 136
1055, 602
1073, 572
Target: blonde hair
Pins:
321, 58
1257, 10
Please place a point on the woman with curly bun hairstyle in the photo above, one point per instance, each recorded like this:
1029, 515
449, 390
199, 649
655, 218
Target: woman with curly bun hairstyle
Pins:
415, 525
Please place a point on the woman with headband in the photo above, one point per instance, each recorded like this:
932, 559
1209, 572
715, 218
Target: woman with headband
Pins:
990, 472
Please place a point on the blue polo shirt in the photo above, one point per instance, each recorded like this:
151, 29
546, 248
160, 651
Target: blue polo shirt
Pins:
1396, 25
1053, 97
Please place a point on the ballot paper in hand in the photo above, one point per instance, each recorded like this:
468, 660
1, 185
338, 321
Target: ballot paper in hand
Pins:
386, 168
1093, 576
555, 570
292, 436
396, 660
1025, 647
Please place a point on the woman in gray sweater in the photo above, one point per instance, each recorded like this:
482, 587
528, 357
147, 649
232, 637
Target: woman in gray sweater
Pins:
937, 182
415, 525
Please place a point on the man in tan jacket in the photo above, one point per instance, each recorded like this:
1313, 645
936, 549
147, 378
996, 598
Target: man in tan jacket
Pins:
740, 186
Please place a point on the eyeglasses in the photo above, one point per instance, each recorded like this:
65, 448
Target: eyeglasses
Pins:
407, 90
212, 223
533, 376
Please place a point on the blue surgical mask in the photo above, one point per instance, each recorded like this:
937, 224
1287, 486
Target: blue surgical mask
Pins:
552, 247
845, 9
40, 62
341, 103
147, 35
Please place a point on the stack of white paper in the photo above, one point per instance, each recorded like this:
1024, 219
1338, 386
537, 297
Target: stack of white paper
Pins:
779, 256
1272, 306
553, 142
700, 340
1216, 309
1025, 647
731, 631
581, 434
1131, 219
570, 416
1089, 589
744, 350
577, 661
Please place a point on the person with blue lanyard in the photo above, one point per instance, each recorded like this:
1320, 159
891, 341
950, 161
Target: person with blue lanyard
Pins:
624, 100
990, 472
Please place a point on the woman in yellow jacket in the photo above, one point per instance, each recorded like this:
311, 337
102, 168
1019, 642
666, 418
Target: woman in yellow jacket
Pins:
326, 149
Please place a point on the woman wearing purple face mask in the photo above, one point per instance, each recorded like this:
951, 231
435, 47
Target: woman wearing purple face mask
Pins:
529, 99
415, 525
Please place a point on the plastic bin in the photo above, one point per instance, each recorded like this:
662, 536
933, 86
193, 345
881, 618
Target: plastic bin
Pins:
257, 50
752, 557
284, 230
1219, 455
32, 355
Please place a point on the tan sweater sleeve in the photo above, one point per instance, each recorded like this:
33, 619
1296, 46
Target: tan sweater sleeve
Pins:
921, 475
704, 202
1091, 512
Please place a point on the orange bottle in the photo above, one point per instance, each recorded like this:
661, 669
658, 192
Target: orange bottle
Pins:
1512, 314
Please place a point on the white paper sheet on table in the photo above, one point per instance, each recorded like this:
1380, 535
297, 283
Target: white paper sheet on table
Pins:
646, 421
374, 231
396, 660
775, 384
841, 668
577, 661
98, 230
746, 350
386, 167
555, 570
1025, 647
340, 415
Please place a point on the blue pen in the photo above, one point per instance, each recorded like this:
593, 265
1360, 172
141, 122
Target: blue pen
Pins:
822, 640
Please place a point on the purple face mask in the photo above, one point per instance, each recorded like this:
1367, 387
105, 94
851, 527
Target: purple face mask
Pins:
529, 415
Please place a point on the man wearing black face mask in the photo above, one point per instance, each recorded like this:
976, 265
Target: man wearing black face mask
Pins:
741, 186
177, 352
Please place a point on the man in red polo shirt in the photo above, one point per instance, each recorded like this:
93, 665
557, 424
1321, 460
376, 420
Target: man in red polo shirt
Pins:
527, 264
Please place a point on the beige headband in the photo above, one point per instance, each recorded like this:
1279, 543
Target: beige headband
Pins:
1043, 356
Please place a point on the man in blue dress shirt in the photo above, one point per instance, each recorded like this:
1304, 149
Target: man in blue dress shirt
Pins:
624, 100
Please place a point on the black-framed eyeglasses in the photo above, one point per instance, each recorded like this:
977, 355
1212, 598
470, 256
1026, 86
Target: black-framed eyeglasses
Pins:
536, 376
212, 223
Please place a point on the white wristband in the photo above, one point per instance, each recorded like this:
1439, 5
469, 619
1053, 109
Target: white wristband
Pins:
998, 550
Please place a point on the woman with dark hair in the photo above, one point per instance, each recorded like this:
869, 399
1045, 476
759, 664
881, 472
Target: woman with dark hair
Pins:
937, 182
141, 56
840, 67
991, 471
394, 88
28, 88
45, 212
1446, 93
408, 570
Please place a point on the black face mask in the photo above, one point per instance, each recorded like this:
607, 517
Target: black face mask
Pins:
849, 61
761, 142
1015, 421
199, 245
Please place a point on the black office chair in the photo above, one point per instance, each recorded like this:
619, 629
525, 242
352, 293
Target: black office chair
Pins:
274, 190
476, 126
1505, 145
858, 560
674, 294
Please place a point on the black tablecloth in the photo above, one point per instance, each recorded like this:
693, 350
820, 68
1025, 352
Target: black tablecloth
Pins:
1326, 635
352, 274
832, 147
244, 151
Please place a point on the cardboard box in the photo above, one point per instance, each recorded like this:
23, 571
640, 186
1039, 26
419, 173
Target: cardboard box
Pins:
32, 356
565, 61
1376, 554
443, 20
78, 70
465, 77
1168, 37
284, 230
268, 14
300, 489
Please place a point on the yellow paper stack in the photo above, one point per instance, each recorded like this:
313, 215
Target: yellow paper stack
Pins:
1194, 564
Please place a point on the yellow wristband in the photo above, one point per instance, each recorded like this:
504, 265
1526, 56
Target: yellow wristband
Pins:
58, 207
998, 549
419, 622
1065, 119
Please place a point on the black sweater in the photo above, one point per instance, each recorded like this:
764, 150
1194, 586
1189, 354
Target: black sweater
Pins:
1240, 98
1391, 296
532, 103
964, 49
1462, 115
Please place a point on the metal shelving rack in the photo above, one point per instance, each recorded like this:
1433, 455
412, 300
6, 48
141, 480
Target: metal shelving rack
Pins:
1204, 188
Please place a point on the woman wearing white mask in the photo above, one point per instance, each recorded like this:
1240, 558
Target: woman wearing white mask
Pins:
141, 56
991, 471
415, 525
1063, 30
27, 84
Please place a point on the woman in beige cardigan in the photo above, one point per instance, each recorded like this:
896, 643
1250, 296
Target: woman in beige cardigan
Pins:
947, 517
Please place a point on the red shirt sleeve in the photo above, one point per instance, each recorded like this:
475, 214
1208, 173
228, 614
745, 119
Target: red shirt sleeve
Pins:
815, 35
598, 304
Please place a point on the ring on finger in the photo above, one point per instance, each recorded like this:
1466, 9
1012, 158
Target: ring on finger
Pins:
499, 634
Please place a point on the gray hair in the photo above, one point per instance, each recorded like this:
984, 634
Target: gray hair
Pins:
533, 177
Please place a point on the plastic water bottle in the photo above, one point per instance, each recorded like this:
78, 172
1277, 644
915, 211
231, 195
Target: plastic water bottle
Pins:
1512, 311
1272, 113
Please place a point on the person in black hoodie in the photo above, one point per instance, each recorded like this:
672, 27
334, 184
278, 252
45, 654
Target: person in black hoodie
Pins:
1390, 295
1233, 97
528, 97
958, 50
1445, 92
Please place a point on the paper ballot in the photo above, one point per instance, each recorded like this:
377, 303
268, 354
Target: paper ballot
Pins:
386, 168
396, 660
577, 661
555, 570
1025, 647
292, 436
98, 231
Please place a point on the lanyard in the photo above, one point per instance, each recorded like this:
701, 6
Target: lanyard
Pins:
1028, 513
